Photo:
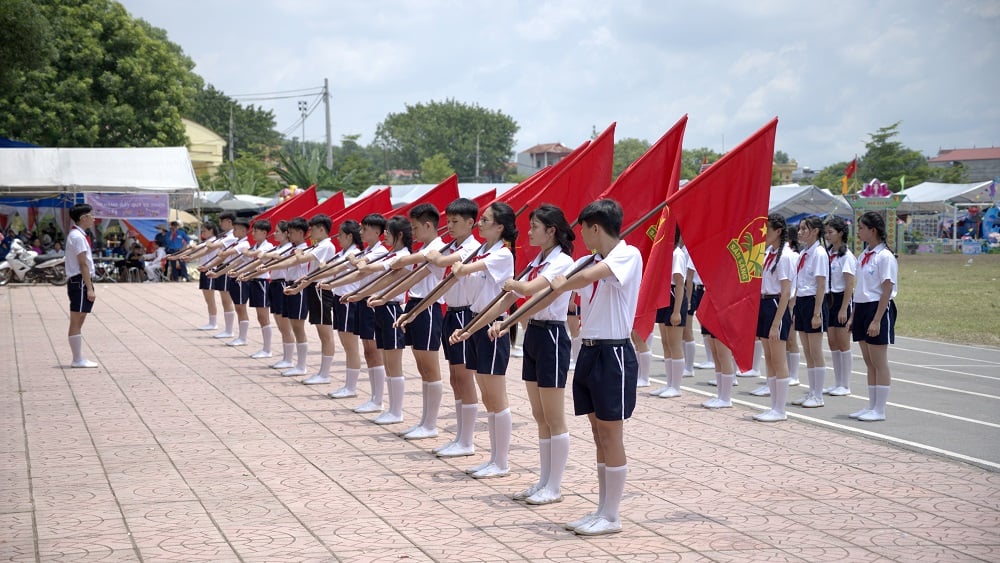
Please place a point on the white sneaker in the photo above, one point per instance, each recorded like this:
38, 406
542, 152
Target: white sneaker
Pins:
491, 471
368, 407
871, 416
670, 393
517, 352
420, 433
83, 364
580, 522
293, 372
223, 335
457, 450
793, 382
715, 383
826, 390
840, 392
704, 365
656, 392
443, 446
342, 393
261, 354
687, 373
751, 373
642, 383
802, 399
812, 403
479, 467
542, 497
527, 492
717, 403
769, 416
762, 391
208, 327
316, 380
283, 364
598, 527
236, 342
388, 418
859, 413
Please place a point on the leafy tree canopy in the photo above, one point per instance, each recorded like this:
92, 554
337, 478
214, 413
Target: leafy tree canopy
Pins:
253, 127
114, 81
627, 151
435, 169
692, 159
27, 41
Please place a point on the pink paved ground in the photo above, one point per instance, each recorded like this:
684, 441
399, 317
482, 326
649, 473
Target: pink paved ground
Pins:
180, 448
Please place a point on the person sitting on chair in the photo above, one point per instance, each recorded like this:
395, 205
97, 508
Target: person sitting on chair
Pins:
154, 262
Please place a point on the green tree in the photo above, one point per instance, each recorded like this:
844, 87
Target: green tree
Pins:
692, 159
253, 127
830, 177
355, 173
247, 174
781, 157
27, 43
627, 151
116, 81
435, 169
450, 128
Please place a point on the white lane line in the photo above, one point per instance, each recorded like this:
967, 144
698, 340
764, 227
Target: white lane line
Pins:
972, 346
936, 368
943, 388
935, 413
851, 429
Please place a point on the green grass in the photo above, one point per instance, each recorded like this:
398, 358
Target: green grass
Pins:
950, 297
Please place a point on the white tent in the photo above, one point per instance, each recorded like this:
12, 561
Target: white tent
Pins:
404, 194
932, 197
37, 171
792, 200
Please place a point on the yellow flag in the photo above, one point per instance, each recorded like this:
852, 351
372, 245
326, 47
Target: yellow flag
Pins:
843, 185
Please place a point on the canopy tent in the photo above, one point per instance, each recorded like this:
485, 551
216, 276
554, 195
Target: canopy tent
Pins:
404, 194
37, 171
932, 197
795, 201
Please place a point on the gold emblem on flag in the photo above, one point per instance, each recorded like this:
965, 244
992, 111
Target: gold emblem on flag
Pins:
747, 250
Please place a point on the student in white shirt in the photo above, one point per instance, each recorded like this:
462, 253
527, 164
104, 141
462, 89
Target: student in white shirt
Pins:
812, 272
154, 262
671, 320
873, 323
294, 306
605, 378
774, 320
843, 268
80, 287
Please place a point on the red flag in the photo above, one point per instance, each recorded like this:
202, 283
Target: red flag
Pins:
851, 168
485, 198
646, 183
519, 196
291, 207
439, 196
725, 237
580, 182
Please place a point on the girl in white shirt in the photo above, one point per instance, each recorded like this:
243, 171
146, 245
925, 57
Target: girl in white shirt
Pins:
843, 266
774, 321
812, 271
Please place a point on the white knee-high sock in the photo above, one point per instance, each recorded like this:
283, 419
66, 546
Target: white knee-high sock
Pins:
287, 351
615, 478
467, 430
433, 391
847, 364
301, 350
265, 336
503, 424
820, 375
352, 378
458, 420
726, 387
244, 329
324, 366
213, 319
758, 353
602, 487
545, 460
397, 388
559, 453
881, 398
667, 371
676, 373
689, 350
780, 395
793, 364
76, 345
491, 427
708, 349
645, 361
871, 397
230, 318
376, 376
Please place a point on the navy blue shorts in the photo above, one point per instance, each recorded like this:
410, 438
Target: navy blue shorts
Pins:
454, 319
239, 291
204, 282
387, 337
345, 315
804, 306
364, 321
485, 356
546, 354
864, 313
220, 283
77, 290
765, 316
295, 307
276, 296
424, 333
697, 292
834, 301
663, 313
320, 305
258, 293
604, 381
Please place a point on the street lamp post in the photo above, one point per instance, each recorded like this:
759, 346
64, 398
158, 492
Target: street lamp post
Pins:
478, 133
303, 106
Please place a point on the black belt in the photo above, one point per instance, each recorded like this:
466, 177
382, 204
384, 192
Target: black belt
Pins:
544, 324
459, 309
771, 296
76, 277
602, 342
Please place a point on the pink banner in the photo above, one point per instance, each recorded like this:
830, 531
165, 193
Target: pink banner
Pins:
129, 206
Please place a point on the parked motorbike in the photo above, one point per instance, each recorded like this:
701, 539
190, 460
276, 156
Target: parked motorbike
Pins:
24, 265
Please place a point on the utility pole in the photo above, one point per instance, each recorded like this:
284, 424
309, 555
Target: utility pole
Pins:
329, 135
230, 133
303, 106
478, 133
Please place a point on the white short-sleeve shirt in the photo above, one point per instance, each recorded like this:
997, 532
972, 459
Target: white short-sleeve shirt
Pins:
461, 293
793, 257
812, 263
426, 285
263, 246
486, 284
784, 270
371, 254
840, 265
609, 304
393, 254
322, 253
295, 272
76, 244
874, 267
555, 264
280, 274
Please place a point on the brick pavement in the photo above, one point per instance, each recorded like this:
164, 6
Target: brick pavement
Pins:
180, 448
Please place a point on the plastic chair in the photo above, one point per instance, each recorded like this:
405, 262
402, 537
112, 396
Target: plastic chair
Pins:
134, 275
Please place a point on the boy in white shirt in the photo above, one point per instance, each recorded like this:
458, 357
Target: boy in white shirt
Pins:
80, 287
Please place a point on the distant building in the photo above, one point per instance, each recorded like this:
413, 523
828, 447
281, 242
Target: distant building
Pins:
980, 164
205, 148
785, 171
540, 156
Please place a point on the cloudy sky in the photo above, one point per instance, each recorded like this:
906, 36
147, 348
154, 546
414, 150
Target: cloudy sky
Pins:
831, 72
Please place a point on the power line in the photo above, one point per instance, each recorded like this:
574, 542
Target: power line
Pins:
302, 90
